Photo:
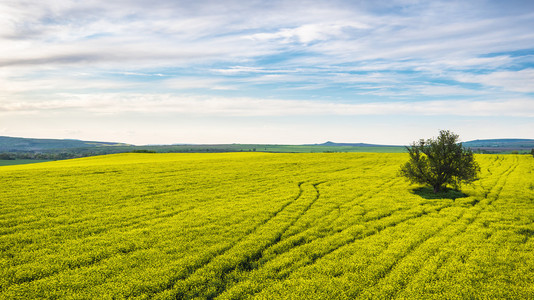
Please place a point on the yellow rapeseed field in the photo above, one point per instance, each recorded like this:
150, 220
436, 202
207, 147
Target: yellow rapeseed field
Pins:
265, 226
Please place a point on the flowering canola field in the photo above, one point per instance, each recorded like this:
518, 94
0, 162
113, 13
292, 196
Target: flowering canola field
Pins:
264, 226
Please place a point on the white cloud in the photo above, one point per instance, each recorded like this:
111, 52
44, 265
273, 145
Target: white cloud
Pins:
197, 83
515, 81
48, 86
308, 33
236, 70
375, 57
221, 106
167, 33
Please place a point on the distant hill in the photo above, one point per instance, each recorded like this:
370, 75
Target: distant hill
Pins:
56, 148
512, 144
15, 144
350, 145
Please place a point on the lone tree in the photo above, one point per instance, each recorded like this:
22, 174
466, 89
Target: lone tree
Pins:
440, 162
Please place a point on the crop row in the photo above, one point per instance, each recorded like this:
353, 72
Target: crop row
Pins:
232, 226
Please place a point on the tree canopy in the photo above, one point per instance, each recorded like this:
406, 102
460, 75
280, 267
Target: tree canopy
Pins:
440, 162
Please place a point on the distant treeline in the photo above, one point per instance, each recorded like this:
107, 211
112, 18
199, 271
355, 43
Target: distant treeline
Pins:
59, 154
501, 151
41, 156
69, 153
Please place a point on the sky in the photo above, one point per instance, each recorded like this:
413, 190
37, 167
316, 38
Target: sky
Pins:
269, 72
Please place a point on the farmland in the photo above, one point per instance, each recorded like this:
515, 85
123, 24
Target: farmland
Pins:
20, 161
262, 225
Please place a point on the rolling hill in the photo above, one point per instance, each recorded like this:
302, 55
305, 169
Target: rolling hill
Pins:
17, 144
514, 144
79, 148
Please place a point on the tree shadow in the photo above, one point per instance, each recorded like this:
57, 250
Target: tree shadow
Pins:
428, 193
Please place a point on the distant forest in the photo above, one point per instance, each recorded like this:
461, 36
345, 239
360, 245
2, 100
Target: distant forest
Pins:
54, 149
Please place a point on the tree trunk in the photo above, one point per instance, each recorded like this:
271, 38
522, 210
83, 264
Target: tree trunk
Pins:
437, 188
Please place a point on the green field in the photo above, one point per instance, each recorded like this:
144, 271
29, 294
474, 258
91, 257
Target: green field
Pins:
320, 148
265, 226
20, 162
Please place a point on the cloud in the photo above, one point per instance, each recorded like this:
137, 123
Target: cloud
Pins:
237, 70
197, 83
311, 32
216, 106
50, 85
515, 81
267, 58
177, 33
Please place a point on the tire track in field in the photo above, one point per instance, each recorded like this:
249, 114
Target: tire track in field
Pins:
479, 184
434, 253
503, 178
282, 237
493, 168
192, 270
497, 162
356, 200
498, 185
378, 229
246, 261
303, 241
306, 209
469, 221
375, 280
368, 195
250, 263
98, 258
308, 259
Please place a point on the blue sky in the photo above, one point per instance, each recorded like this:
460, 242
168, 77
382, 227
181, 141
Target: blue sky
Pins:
288, 72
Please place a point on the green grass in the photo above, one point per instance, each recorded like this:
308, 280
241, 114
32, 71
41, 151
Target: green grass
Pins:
20, 162
259, 148
265, 226
319, 149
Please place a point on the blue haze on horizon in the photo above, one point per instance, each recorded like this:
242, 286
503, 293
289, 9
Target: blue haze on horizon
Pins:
286, 72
